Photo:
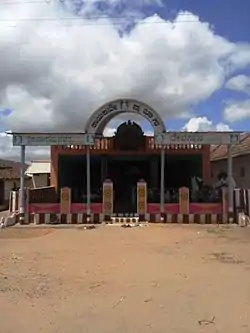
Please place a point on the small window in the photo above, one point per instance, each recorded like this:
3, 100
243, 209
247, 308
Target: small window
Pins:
242, 172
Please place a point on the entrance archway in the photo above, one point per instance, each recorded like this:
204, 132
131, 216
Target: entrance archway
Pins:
97, 123
100, 118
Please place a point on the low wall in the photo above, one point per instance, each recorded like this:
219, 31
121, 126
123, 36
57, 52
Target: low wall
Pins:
55, 208
42, 195
182, 212
194, 208
96, 208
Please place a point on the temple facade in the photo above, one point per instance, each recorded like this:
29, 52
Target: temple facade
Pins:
168, 173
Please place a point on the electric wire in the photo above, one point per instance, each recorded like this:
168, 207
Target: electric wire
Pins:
87, 20
93, 20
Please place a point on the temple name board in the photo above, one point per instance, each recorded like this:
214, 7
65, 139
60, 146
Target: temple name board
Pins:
52, 139
198, 138
110, 110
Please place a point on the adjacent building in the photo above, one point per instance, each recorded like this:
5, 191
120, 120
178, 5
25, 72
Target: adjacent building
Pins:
39, 173
241, 162
9, 179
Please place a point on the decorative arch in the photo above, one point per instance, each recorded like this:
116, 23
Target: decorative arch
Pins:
101, 117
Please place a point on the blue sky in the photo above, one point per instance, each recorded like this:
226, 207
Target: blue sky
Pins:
230, 19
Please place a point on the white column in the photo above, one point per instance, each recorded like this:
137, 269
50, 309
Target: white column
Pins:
162, 179
230, 179
22, 189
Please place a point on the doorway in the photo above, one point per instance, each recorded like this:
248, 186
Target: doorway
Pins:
125, 174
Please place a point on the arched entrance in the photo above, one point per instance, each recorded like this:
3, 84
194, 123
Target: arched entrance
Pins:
123, 169
100, 118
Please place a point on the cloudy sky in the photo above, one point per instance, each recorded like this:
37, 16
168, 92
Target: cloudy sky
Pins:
62, 59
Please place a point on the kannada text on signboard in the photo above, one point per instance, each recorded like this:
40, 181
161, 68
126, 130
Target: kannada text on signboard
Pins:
198, 138
52, 139
125, 106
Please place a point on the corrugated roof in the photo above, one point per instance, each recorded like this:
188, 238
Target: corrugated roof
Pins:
41, 167
242, 148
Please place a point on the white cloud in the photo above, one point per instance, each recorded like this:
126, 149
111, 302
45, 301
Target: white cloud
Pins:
13, 153
237, 110
204, 125
109, 131
241, 59
239, 83
138, 3
56, 72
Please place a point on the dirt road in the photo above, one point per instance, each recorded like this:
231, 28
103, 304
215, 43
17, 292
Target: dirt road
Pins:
178, 279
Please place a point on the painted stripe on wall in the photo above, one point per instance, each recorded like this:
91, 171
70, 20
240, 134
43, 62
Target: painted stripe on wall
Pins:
98, 218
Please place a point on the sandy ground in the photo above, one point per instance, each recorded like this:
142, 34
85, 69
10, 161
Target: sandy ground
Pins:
171, 278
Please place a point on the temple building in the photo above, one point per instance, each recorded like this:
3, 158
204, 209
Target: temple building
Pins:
130, 173
126, 158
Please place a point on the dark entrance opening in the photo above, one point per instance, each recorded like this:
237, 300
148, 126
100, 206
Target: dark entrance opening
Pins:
125, 173
179, 169
72, 173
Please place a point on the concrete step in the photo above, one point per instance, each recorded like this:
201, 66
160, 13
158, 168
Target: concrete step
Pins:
124, 219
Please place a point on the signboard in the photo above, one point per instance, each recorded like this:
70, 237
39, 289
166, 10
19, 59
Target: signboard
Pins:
53, 139
197, 138
102, 116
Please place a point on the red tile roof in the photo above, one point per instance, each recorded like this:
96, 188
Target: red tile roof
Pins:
242, 148
10, 169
